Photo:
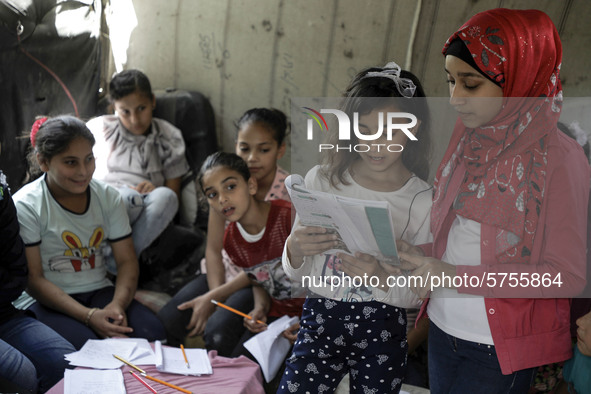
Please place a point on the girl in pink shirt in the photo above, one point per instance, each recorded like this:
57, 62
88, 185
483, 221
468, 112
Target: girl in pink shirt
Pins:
509, 210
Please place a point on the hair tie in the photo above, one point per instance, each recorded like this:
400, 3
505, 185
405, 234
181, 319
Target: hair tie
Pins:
35, 128
405, 86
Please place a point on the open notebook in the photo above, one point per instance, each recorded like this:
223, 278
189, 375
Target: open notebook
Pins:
361, 225
98, 353
171, 360
270, 347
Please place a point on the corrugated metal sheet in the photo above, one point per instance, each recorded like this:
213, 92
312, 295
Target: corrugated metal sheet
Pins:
247, 53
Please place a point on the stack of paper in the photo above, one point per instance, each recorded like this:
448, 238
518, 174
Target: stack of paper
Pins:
171, 360
142, 354
85, 381
360, 225
98, 353
269, 347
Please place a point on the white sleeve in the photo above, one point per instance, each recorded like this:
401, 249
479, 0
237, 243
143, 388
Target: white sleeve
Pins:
100, 149
420, 212
30, 226
423, 234
295, 274
116, 214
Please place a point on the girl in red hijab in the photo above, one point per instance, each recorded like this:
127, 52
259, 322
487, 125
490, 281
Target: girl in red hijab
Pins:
509, 211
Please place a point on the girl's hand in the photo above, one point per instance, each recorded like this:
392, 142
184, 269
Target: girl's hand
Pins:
145, 187
110, 322
291, 333
258, 313
117, 310
310, 241
366, 265
427, 268
203, 308
409, 248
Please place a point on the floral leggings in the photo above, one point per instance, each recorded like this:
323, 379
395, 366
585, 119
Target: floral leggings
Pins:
365, 339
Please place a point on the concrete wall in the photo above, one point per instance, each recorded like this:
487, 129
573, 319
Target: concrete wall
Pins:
248, 53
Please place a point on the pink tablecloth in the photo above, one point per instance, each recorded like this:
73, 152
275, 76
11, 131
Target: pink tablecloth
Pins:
230, 376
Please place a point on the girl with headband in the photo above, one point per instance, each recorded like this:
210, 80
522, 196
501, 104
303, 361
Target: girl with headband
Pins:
361, 330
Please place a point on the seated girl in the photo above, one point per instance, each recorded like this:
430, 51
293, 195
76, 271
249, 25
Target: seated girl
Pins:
254, 241
260, 142
65, 216
143, 157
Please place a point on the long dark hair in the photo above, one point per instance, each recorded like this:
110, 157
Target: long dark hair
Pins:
53, 137
416, 154
128, 81
274, 119
224, 159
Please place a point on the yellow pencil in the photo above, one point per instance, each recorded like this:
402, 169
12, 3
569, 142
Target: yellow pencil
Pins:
236, 311
166, 383
185, 356
128, 363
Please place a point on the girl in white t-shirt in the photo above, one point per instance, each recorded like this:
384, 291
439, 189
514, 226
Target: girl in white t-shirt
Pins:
65, 216
347, 329
142, 156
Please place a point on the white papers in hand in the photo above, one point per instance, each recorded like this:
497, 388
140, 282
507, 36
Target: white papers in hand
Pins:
98, 353
92, 381
171, 360
269, 347
360, 225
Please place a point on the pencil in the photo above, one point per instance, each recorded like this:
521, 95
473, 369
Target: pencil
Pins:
236, 311
166, 384
185, 356
128, 363
142, 382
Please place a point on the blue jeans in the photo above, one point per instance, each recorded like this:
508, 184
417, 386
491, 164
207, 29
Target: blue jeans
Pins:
149, 214
223, 330
144, 322
32, 354
459, 366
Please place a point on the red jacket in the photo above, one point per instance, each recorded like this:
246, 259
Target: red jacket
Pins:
533, 331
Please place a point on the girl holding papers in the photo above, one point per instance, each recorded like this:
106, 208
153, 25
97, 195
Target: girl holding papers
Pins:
347, 325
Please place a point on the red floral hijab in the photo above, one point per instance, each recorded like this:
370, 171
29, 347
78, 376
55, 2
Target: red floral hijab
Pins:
505, 160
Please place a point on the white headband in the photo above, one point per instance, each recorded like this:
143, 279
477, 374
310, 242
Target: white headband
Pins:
392, 71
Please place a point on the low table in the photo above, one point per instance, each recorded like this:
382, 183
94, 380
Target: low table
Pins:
230, 376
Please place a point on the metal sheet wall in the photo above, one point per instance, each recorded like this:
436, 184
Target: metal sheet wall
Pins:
247, 53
